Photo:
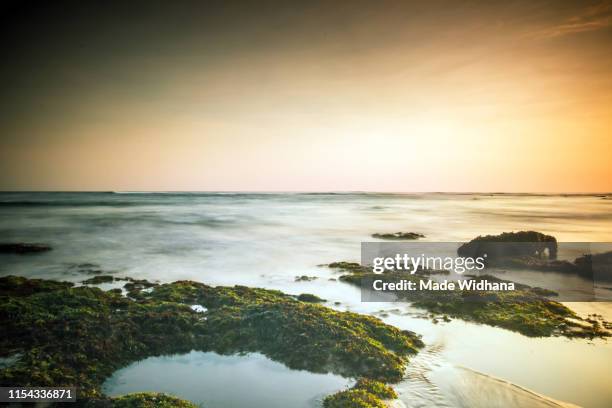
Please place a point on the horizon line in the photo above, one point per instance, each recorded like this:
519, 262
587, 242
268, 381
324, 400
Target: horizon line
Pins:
310, 192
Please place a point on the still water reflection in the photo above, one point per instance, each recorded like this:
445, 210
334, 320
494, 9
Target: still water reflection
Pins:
214, 380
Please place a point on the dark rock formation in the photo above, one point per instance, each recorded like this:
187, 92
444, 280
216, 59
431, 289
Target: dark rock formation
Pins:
526, 310
310, 298
597, 266
305, 278
399, 236
96, 280
511, 244
21, 248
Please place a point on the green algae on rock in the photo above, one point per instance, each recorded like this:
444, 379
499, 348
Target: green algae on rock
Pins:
515, 244
357, 271
305, 278
525, 310
18, 286
376, 387
353, 398
310, 298
134, 287
96, 280
366, 393
80, 335
149, 400
352, 267
537, 251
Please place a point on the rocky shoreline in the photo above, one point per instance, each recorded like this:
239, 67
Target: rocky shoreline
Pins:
55, 333
526, 310
66, 335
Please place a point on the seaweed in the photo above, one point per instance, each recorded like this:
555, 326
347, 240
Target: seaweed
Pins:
515, 244
18, 286
366, 393
353, 398
352, 267
308, 297
305, 278
525, 310
144, 400
98, 279
375, 387
78, 336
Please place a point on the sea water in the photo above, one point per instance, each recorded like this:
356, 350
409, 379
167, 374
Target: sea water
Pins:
236, 381
266, 240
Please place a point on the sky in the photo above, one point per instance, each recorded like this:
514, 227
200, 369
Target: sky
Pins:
486, 96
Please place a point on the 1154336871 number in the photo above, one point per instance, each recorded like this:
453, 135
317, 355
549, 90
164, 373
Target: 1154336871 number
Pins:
35, 394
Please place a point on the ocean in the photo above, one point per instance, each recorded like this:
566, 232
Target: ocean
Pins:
267, 239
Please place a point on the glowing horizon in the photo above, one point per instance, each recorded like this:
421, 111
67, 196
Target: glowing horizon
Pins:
321, 97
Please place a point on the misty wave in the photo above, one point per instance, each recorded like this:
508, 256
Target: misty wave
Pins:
71, 203
545, 215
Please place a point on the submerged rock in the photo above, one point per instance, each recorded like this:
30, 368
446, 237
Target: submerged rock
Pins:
310, 298
18, 286
88, 268
352, 267
136, 287
21, 248
305, 278
399, 236
98, 279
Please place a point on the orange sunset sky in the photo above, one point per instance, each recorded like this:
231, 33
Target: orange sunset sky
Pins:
307, 96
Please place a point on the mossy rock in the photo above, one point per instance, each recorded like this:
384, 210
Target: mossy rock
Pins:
353, 398
150, 400
510, 244
80, 335
96, 280
351, 267
17, 286
305, 278
376, 388
525, 310
399, 236
310, 298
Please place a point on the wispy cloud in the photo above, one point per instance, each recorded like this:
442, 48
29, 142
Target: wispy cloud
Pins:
592, 18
